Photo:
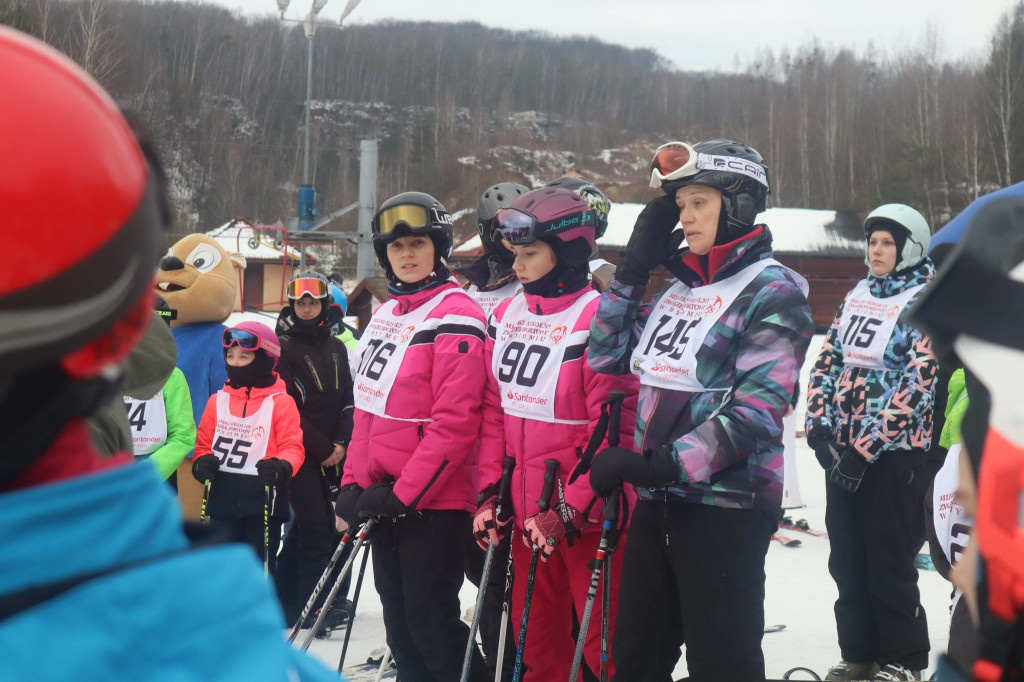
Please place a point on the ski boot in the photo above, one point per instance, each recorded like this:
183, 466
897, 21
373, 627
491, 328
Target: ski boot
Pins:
894, 672
337, 618
844, 670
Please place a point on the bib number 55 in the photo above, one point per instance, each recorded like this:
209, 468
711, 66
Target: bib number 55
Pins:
232, 452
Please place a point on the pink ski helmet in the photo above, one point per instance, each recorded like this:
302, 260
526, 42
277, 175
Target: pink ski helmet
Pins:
548, 214
253, 336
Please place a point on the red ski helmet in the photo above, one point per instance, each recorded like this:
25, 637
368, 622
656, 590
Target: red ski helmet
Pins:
548, 214
83, 216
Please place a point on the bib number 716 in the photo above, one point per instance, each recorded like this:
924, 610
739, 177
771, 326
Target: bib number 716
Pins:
375, 359
232, 452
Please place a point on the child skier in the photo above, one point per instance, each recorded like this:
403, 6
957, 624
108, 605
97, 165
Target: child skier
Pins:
543, 403
249, 442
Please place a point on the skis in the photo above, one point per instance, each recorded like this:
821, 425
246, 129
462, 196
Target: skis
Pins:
786, 541
774, 628
369, 671
801, 526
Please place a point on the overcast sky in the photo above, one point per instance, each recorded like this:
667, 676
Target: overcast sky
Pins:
700, 34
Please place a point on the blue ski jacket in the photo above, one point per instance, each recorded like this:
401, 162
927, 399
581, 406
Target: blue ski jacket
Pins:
134, 601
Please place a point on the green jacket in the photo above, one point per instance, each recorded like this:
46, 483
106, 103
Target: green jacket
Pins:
956, 407
181, 430
347, 338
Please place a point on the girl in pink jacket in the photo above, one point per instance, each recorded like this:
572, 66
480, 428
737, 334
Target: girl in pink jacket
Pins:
411, 464
543, 402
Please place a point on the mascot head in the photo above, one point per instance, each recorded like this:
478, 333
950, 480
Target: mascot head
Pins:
197, 278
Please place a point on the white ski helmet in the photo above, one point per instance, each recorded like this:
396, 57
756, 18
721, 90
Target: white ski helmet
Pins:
917, 232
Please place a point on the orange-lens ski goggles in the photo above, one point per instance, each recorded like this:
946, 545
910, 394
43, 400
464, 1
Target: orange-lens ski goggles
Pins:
673, 161
307, 286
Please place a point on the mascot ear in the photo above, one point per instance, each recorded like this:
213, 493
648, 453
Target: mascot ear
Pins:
237, 261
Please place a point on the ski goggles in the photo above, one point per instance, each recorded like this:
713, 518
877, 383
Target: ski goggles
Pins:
308, 286
246, 340
519, 228
416, 218
673, 161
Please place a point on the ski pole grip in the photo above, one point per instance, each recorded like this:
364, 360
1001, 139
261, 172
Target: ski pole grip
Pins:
550, 474
615, 399
504, 506
611, 506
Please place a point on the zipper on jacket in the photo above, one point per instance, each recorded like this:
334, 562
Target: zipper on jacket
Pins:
337, 381
245, 405
419, 430
312, 370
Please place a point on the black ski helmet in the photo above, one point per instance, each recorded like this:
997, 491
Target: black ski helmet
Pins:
744, 186
597, 200
491, 201
411, 213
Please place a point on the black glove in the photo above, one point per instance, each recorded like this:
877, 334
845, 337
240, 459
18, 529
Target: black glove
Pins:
848, 471
614, 466
652, 241
825, 448
205, 467
345, 505
274, 471
379, 500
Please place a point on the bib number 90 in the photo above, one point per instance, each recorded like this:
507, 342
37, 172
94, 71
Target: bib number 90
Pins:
521, 364
232, 452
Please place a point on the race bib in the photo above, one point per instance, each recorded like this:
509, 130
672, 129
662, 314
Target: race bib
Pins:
240, 442
147, 420
867, 325
489, 300
529, 350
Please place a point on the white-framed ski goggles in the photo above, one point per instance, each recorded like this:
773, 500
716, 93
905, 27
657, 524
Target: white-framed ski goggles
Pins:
673, 161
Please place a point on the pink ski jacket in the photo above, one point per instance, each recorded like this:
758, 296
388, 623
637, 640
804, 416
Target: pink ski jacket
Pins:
441, 379
579, 394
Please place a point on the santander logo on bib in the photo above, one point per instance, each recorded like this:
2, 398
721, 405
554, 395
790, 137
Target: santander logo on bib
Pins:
557, 334
714, 306
406, 334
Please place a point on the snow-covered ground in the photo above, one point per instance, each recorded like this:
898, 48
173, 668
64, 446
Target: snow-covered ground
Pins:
799, 591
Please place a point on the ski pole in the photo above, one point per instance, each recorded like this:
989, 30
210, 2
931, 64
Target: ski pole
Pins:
606, 603
500, 509
206, 498
543, 503
266, 531
364, 533
355, 605
604, 549
607, 423
346, 540
505, 617
385, 661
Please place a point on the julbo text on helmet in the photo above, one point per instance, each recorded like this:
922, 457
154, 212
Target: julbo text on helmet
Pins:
548, 213
411, 213
734, 169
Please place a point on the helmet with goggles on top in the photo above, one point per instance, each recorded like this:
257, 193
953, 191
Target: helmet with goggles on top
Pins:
734, 169
555, 215
411, 214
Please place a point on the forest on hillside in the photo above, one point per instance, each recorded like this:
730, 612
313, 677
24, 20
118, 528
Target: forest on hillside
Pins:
459, 106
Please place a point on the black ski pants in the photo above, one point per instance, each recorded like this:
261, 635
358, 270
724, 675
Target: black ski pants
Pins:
692, 574
874, 534
249, 530
418, 563
309, 543
491, 613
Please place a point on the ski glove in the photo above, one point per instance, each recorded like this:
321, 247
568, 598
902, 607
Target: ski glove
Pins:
549, 527
379, 501
651, 242
487, 526
205, 467
614, 466
825, 448
274, 471
848, 471
345, 505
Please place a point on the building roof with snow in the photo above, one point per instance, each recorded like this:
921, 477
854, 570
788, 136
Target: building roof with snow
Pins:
803, 231
258, 245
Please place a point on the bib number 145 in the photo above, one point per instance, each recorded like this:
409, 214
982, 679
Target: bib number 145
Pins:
672, 341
